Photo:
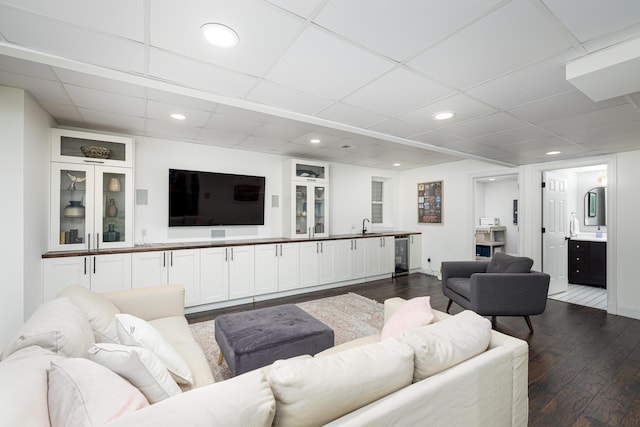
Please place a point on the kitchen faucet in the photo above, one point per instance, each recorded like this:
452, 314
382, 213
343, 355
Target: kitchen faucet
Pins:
364, 227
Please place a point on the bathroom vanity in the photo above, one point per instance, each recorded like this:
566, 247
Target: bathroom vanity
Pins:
588, 262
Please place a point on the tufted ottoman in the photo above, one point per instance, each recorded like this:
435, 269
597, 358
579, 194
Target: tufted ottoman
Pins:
253, 339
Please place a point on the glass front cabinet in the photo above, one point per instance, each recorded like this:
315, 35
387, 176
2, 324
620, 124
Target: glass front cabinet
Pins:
91, 191
306, 200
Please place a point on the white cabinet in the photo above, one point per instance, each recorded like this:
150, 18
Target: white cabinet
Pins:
100, 273
379, 255
157, 268
317, 263
227, 273
349, 259
306, 199
415, 251
276, 268
91, 197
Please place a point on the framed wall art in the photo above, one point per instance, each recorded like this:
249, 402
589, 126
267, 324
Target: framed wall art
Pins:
430, 198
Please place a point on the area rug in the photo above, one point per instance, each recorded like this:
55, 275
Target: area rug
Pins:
351, 316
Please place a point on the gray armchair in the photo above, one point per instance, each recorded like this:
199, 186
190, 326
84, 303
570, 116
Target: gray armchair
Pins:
505, 286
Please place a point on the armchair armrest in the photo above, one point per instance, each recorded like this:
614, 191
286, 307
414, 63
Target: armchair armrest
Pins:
509, 294
462, 268
150, 303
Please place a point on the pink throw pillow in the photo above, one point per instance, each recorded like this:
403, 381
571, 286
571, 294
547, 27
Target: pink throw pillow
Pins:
412, 314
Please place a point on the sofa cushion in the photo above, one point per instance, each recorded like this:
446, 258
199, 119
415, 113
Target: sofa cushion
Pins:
23, 387
83, 393
245, 400
138, 332
100, 312
139, 366
58, 325
448, 342
503, 263
461, 286
411, 314
314, 391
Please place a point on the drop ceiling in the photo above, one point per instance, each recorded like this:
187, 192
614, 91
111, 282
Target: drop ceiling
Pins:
363, 76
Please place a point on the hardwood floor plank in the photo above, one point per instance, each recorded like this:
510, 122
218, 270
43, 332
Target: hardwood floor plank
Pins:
584, 364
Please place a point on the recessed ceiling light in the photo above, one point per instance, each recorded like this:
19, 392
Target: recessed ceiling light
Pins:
315, 141
220, 35
492, 179
396, 164
178, 116
553, 153
444, 115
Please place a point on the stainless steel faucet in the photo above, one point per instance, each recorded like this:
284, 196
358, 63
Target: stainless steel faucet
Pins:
364, 227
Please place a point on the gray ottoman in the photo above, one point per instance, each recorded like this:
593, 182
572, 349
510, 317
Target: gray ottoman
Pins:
253, 339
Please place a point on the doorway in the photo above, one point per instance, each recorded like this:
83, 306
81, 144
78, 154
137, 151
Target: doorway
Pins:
574, 234
495, 215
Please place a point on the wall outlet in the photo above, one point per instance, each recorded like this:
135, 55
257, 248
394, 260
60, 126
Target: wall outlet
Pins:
428, 259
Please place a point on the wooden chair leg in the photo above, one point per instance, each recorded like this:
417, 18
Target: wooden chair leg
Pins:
449, 304
220, 358
528, 320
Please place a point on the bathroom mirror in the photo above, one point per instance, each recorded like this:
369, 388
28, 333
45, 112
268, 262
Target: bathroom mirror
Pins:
595, 202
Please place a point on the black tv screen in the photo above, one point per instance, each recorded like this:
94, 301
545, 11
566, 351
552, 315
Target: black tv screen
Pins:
210, 198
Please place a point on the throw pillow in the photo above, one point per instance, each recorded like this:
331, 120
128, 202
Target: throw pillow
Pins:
503, 263
314, 391
82, 393
411, 314
448, 342
59, 326
139, 366
100, 312
138, 332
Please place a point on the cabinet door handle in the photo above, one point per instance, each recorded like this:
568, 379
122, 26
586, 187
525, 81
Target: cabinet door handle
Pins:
85, 266
164, 260
352, 245
94, 265
231, 254
280, 250
276, 250
226, 254
321, 248
171, 258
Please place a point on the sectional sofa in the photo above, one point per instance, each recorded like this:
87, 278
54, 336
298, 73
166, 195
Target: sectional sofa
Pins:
61, 369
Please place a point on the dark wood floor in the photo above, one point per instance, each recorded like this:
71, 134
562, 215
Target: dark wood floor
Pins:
584, 365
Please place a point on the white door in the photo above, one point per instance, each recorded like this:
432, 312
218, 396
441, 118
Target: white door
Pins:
58, 273
288, 267
266, 268
110, 272
214, 275
148, 269
184, 269
241, 272
555, 221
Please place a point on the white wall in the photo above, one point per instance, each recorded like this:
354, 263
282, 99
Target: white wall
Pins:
453, 240
499, 196
23, 213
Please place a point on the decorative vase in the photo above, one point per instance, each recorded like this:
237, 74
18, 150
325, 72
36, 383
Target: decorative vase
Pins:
114, 185
112, 210
74, 209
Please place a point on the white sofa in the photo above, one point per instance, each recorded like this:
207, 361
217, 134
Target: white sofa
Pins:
364, 382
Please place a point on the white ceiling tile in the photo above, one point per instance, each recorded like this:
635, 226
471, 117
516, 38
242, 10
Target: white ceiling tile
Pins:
325, 140
464, 107
302, 8
602, 135
166, 129
398, 127
486, 125
466, 146
62, 112
181, 100
395, 31
595, 18
436, 137
593, 120
262, 144
326, 66
246, 115
220, 138
289, 99
513, 136
528, 84
264, 32
161, 111
512, 36
351, 115
187, 72
69, 41
106, 101
107, 121
397, 92
286, 131
107, 85
124, 18
45, 90
233, 125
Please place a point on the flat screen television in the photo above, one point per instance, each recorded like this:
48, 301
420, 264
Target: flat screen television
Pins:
209, 199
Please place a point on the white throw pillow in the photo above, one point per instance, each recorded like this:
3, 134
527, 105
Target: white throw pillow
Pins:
82, 393
411, 314
138, 332
314, 391
59, 326
100, 312
446, 343
139, 366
